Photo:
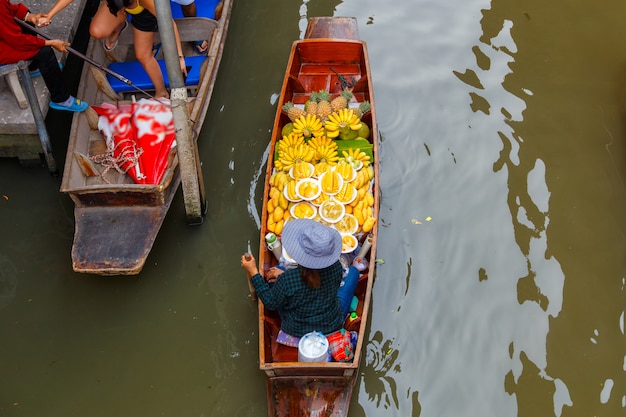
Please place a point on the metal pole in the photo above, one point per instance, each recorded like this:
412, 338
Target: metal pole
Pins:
27, 83
193, 194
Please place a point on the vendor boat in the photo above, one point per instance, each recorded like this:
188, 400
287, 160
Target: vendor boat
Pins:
330, 59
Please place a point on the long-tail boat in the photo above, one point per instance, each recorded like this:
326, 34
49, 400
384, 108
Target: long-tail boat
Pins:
331, 57
116, 219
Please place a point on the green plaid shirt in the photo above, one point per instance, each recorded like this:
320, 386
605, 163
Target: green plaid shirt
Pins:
304, 309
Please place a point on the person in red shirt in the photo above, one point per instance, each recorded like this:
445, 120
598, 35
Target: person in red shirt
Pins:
17, 45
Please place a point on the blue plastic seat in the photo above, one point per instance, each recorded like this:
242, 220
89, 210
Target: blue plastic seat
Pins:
138, 76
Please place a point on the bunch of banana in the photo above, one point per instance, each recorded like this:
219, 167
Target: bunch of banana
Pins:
278, 180
308, 126
290, 156
341, 121
320, 141
290, 141
327, 154
353, 156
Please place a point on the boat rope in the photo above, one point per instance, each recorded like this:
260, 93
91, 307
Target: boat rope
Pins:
126, 159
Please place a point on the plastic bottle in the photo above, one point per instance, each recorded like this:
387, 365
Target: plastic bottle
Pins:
367, 244
274, 245
354, 321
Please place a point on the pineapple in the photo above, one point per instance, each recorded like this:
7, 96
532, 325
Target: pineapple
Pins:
363, 108
293, 112
323, 105
310, 107
341, 101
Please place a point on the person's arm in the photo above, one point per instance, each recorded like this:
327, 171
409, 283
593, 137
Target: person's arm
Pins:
58, 6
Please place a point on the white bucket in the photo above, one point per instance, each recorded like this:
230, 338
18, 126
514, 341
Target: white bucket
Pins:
313, 347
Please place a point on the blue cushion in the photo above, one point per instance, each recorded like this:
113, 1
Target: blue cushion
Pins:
137, 75
204, 8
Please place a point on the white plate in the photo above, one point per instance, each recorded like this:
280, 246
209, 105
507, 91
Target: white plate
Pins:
311, 171
347, 248
337, 204
347, 219
340, 181
293, 210
312, 181
287, 195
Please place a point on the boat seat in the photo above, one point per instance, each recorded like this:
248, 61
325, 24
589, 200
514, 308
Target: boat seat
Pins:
189, 29
135, 72
12, 79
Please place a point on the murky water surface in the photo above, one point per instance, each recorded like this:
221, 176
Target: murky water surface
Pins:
501, 284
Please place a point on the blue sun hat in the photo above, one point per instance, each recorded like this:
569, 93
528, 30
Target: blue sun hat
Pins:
311, 244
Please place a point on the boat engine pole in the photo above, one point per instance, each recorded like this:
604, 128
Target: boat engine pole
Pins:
188, 159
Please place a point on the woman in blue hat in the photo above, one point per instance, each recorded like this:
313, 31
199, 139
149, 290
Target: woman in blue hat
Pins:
310, 297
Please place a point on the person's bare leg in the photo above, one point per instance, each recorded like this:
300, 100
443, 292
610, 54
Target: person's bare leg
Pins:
143, 52
105, 25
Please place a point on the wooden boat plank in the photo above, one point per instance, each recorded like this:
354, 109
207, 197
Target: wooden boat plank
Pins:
335, 27
114, 239
305, 396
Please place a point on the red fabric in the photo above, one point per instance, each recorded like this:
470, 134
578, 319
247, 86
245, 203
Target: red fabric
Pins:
115, 124
340, 346
139, 136
154, 133
15, 45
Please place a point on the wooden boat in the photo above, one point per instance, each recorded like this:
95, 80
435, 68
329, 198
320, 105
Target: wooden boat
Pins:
117, 220
330, 57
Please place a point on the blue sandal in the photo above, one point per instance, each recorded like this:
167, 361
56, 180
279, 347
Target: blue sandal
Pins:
76, 106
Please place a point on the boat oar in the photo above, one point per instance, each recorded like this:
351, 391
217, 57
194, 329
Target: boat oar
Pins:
85, 58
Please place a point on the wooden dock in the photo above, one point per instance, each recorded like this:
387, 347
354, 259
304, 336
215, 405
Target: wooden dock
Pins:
18, 132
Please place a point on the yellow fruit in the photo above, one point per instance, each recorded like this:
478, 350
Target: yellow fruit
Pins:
302, 169
282, 201
291, 190
370, 198
332, 210
320, 199
348, 243
347, 224
368, 224
347, 193
346, 171
278, 214
303, 211
308, 126
270, 206
279, 227
274, 191
308, 189
331, 182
